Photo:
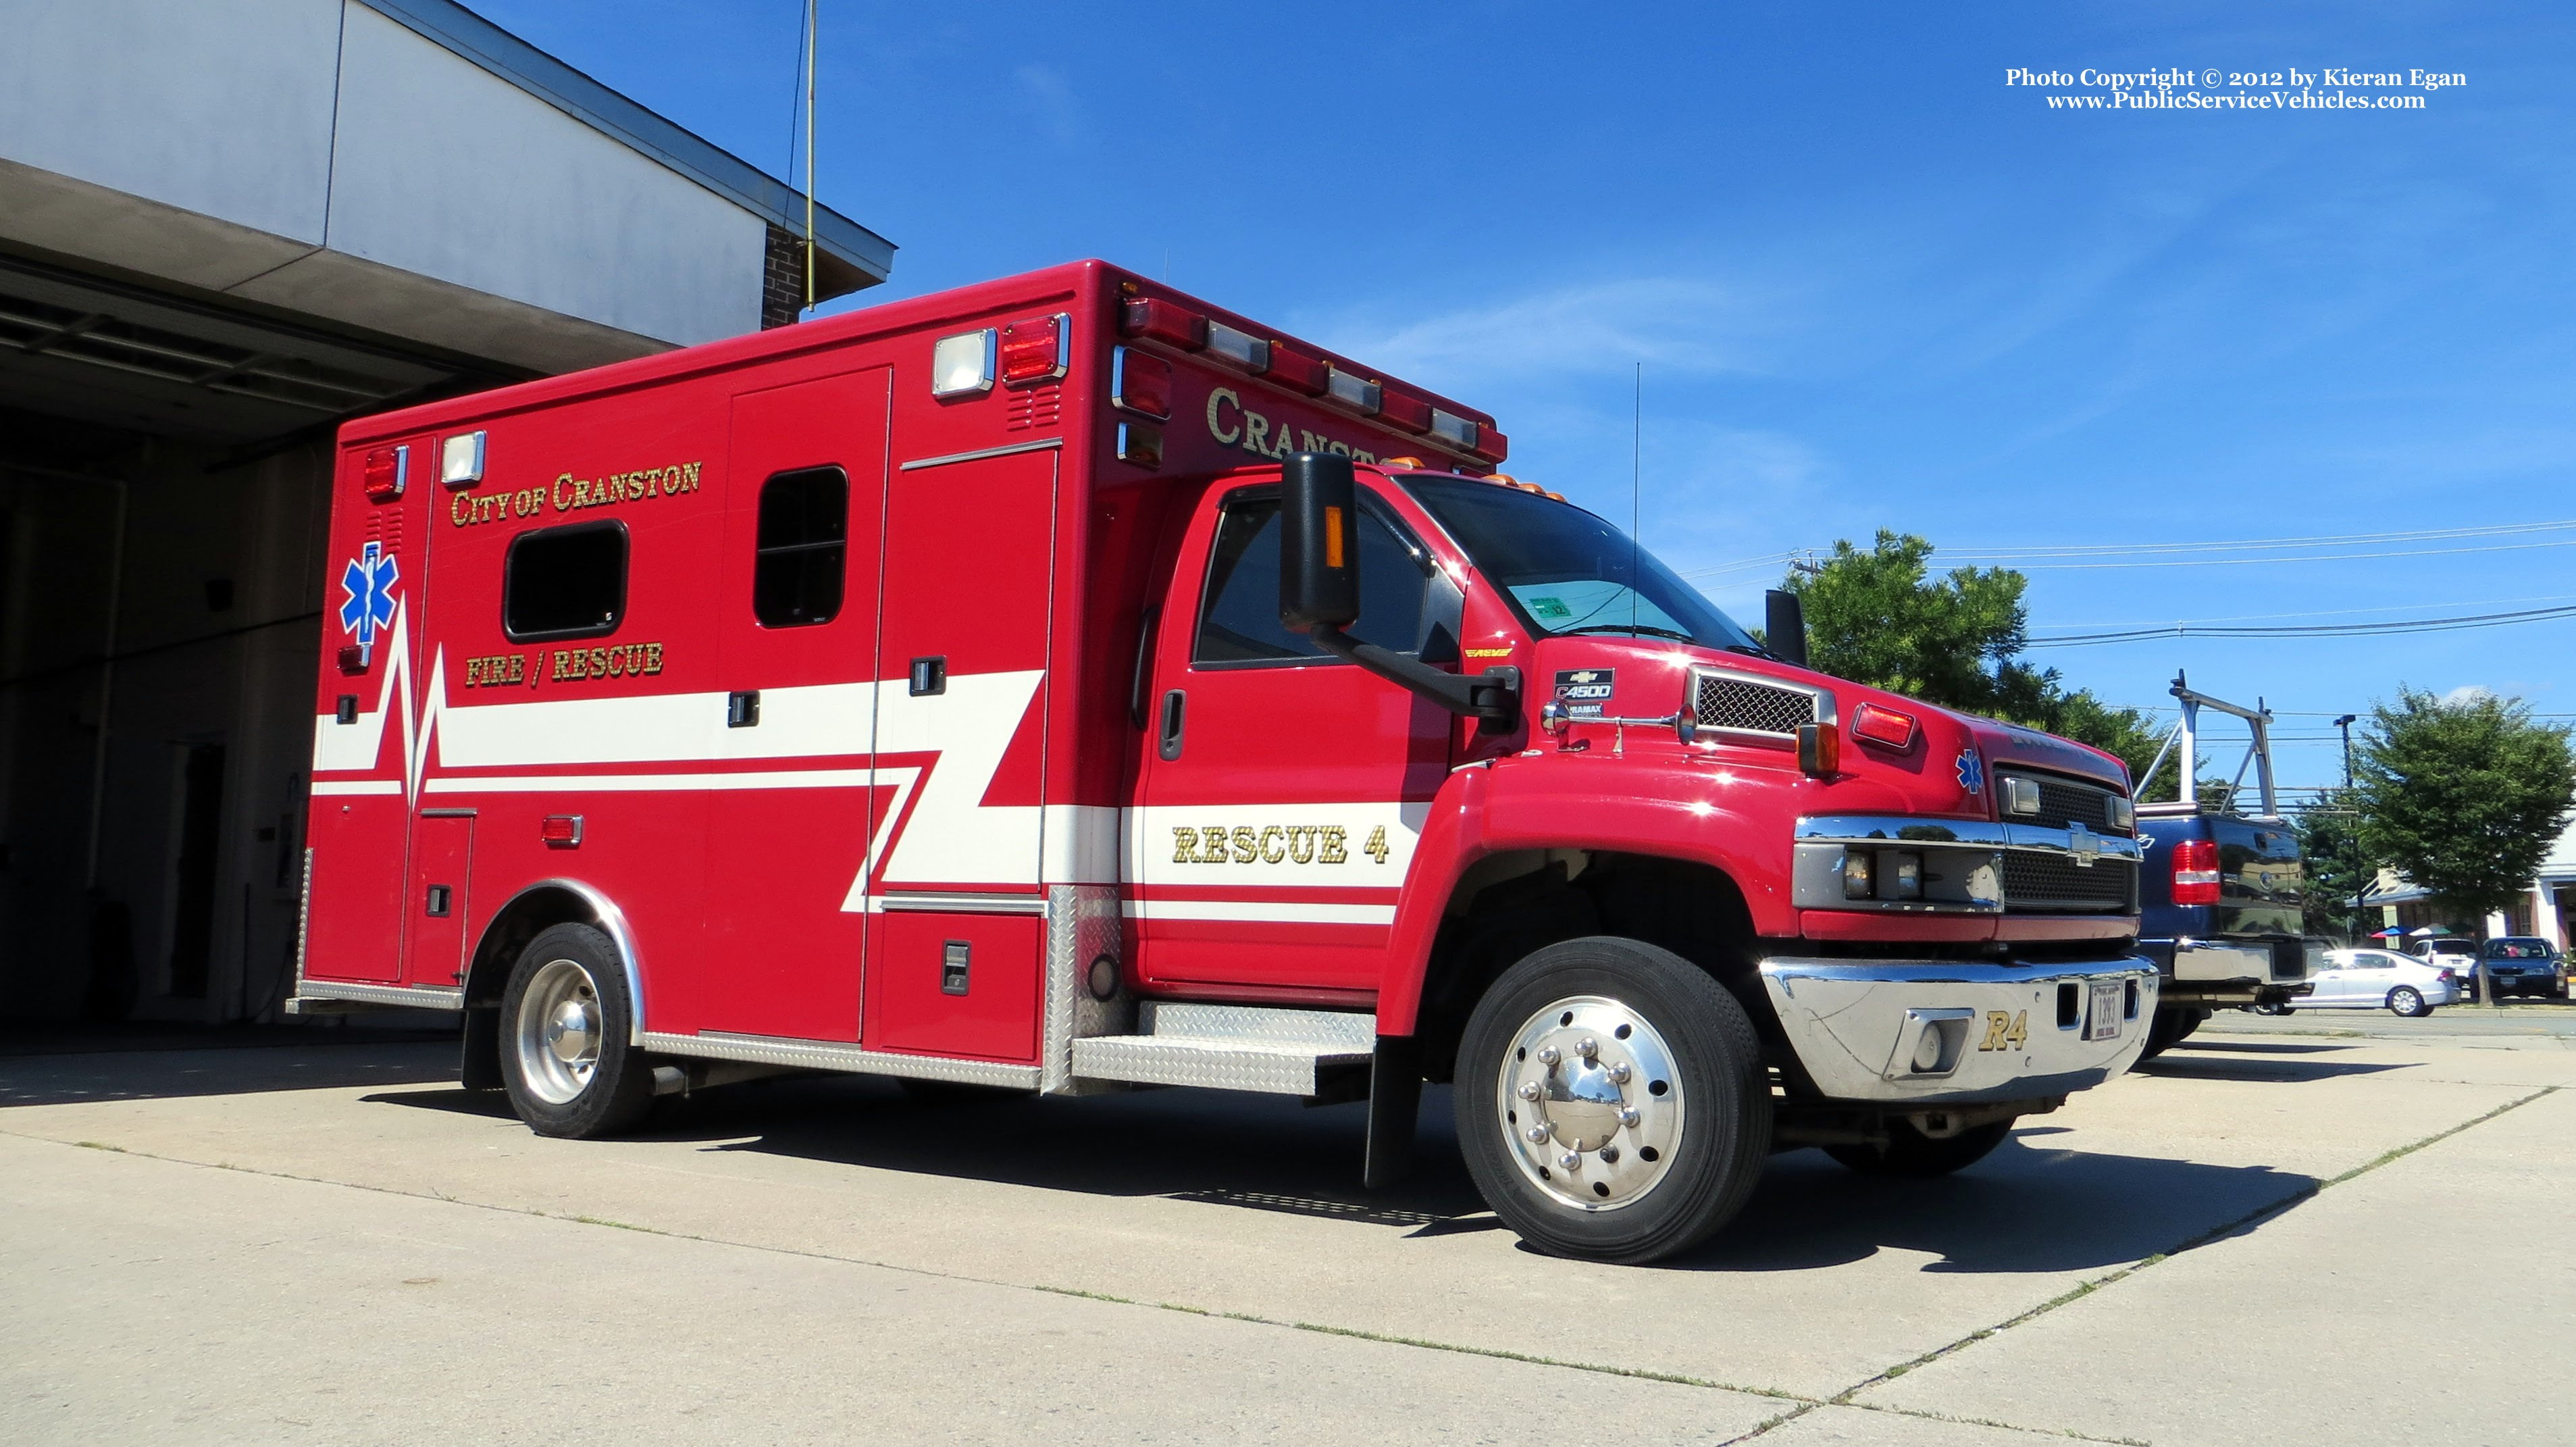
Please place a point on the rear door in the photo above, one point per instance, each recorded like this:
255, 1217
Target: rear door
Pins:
1284, 789
364, 765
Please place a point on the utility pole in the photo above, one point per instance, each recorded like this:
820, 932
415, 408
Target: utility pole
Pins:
2352, 931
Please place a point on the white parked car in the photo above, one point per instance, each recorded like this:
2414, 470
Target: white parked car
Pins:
2380, 979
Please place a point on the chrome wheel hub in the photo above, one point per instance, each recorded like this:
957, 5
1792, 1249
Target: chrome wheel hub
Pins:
558, 1035
1591, 1103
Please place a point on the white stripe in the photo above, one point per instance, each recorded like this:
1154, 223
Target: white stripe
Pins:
1260, 911
643, 783
357, 786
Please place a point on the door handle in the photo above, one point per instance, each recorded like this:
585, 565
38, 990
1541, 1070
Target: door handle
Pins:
1174, 704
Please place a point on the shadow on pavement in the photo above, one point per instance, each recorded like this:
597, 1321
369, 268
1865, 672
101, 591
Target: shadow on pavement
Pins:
2259, 1070
148, 1074
2249, 1047
2032, 1206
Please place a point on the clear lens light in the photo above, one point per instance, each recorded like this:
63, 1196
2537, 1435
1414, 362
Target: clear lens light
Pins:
2021, 796
1927, 1050
2124, 814
962, 365
1901, 875
1856, 874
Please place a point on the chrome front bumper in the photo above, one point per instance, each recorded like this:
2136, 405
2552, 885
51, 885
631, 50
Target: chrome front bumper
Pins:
1856, 1025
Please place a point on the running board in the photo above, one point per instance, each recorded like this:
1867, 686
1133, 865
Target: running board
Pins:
1230, 1047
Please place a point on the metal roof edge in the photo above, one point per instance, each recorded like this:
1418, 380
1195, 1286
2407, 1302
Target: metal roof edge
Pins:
461, 32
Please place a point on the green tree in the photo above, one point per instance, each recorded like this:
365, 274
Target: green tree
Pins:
1881, 617
2463, 797
2336, 864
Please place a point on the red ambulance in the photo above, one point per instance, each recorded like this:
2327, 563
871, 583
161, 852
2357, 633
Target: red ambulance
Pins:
1064, 685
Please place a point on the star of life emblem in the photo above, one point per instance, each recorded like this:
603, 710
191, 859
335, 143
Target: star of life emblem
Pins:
1972, 772
369, 583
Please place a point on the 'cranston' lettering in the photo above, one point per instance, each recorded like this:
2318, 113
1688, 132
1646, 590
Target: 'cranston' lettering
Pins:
1235, 425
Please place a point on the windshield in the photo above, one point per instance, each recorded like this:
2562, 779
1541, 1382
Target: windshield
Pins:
1566, 571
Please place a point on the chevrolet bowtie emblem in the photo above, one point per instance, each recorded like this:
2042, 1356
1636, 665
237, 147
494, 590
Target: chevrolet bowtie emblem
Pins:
2086, 845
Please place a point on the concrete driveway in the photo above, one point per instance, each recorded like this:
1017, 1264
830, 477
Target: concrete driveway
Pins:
329, 1242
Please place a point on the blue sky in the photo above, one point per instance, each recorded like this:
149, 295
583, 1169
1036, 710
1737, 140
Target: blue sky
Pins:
1871, 284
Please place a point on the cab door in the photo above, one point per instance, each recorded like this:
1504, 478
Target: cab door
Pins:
1282, 789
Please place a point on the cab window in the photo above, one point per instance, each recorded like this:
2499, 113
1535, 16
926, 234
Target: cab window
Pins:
1239, 612
566, 582
802, 547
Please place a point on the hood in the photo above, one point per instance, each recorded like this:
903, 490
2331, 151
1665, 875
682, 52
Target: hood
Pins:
2005, 743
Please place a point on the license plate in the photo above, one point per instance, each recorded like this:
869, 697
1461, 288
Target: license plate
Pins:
2104, 1023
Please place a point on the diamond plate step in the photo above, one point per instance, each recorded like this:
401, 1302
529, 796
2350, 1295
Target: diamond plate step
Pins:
1229, 1047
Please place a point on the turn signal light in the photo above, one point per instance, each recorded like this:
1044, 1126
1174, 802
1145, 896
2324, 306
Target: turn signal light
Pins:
561, 831
2195, 872
1167, 322
388, 468
1820, 750
1036, 351
1883, 726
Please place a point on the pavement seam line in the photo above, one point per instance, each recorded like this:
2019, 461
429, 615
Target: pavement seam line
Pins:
2216, 1233
1321, 1329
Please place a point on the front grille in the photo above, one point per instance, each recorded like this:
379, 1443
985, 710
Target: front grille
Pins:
1743, 706
2063, 802
2056, 882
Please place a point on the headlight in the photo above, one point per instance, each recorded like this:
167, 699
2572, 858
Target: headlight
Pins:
2123, 813
2020, 796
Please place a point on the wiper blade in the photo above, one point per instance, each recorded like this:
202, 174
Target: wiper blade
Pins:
1628, 628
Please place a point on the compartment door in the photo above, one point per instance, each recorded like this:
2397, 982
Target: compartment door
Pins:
962, 698
435, 913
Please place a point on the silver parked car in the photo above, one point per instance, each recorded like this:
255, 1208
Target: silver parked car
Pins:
2381, 979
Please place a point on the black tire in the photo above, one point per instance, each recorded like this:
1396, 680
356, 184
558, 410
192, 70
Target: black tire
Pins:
2408, 1001
2172, 1022
613, 1090
1911, 1154
1682, 1032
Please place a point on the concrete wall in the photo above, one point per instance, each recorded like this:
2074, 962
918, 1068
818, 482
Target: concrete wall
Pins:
317, 155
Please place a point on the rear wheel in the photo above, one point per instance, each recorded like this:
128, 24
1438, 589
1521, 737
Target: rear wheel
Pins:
1612, 1103
2171, 1024
2408, 1001
1911, 1153
565, 1021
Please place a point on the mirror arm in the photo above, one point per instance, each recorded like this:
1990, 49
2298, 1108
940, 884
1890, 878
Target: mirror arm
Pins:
1494, 694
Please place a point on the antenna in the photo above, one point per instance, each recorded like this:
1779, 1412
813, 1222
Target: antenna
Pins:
811, 36
1636, 491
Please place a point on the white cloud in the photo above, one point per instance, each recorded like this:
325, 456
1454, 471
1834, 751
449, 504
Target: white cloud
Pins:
1694, 327
2468, 693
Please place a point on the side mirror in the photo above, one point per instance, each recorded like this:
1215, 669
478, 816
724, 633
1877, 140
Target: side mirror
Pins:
1784, 626
1319, 543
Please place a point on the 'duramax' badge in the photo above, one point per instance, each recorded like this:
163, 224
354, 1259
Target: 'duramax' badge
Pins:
1585, 691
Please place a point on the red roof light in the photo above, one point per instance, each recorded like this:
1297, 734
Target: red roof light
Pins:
1036, 350
1163, 321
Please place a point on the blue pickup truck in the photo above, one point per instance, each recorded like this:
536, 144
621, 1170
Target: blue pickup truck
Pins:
2219, 905
2220, 893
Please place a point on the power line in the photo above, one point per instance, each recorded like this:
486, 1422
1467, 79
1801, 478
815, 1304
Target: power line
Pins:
2327, 612
2315, 630
2155, 555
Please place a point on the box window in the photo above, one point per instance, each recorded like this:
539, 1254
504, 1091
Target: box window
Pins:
802, 548
567, 582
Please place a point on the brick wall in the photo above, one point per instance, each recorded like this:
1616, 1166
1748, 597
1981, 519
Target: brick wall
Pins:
782, 279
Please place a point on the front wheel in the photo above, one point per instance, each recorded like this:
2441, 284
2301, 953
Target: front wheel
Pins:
1612, 1103
565, 1021
2406, 1000
1912, 1154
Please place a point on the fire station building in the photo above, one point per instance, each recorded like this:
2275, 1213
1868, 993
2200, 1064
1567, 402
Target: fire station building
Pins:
223, 230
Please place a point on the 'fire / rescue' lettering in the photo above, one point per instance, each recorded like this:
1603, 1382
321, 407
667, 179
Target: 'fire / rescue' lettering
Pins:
617, 660
1269, 844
